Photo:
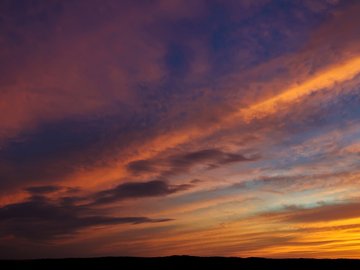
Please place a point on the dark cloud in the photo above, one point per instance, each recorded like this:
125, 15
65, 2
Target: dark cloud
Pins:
196, 181
41, 219
153, 188
183, 162
208, 155
43, 189
141, 166
130, 190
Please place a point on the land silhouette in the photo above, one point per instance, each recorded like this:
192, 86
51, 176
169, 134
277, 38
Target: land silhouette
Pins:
181, 262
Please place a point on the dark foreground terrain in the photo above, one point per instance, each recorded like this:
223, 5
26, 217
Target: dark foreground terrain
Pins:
181, 262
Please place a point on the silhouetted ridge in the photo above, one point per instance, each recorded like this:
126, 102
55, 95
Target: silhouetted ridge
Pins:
181, 262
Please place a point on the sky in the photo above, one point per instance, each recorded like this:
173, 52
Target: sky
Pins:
168, 127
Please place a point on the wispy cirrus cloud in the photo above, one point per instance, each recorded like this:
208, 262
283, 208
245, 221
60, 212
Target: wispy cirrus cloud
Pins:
133, 190
321, 213
183, 162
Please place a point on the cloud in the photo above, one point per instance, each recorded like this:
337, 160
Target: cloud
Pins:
324, 79
42, 189
48, 189
38, 218
147, 88
300, 182
141, 166
135, 94
42, 218
155, 188
322, 213
208, 154
181, 163
135, 76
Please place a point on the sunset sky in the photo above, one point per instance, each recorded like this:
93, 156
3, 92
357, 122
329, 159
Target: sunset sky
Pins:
163, 127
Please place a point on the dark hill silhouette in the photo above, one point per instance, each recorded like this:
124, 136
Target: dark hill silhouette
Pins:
181, 262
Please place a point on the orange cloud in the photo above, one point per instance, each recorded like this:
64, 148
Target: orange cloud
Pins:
339, 73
